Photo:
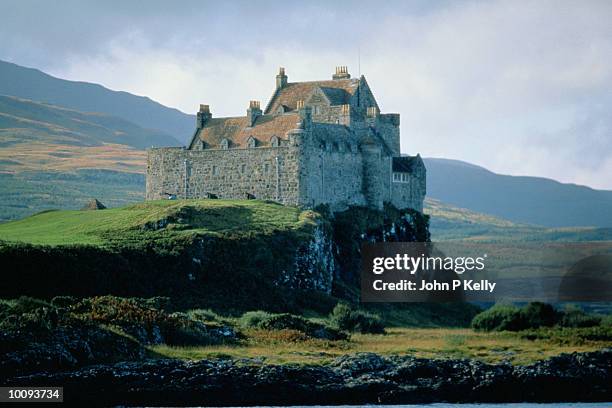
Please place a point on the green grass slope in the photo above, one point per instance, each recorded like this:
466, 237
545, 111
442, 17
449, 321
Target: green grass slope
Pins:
151, 220
25, 193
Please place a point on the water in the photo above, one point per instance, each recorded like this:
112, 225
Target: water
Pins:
514, 405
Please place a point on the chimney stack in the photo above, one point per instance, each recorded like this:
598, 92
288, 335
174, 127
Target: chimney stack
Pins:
253, 112
202, 116
281, 78
341, 73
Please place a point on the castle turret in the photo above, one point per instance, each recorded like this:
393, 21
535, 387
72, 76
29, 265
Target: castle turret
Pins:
253, 112
202, 116
281, 78
341, 73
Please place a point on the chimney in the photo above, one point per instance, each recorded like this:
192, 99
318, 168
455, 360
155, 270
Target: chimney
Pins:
341, 73
202, 116
305, 114
281, 78
253, 112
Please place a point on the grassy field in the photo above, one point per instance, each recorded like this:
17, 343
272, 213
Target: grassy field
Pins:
183, 217
286, 346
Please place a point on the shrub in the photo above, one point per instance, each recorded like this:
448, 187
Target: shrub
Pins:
64, 301
573, 316
203, 315
499, 317
26, 304
538, 314
253, 319
287, 321
345, 318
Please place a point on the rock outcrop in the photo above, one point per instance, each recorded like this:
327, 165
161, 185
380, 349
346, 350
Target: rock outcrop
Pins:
356, 379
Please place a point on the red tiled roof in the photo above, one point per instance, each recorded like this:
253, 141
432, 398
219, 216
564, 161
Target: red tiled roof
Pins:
238, 131
337, 90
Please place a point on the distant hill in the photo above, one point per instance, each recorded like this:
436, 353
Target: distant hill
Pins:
448, 222
87, 97
531, 200
24, 120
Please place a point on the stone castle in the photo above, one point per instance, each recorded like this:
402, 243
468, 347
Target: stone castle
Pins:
318, 142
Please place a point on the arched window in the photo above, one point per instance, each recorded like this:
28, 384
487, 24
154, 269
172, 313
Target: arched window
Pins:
274, 141
225, 144
251, 141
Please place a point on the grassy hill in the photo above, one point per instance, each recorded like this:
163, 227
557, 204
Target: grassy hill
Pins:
531, 200
453, 223
24, 120
53, 157
86, 97
152, 220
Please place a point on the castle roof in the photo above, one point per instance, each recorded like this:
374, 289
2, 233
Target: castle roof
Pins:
238, 131
338, 91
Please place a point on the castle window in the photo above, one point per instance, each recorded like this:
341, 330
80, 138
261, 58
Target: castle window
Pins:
251, 141
215, 171
335, 146
401, 177
225, 144
274, 141
266, 168
243, 168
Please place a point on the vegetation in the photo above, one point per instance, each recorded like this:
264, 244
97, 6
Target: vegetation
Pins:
347, 318
114, 326
153, 220
534, 315
449, 223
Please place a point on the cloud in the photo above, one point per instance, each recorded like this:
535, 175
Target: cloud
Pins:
518, 87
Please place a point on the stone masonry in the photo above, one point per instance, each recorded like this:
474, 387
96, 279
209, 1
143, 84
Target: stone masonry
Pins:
318, 142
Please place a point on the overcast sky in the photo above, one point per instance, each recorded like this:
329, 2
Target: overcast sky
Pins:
520, 87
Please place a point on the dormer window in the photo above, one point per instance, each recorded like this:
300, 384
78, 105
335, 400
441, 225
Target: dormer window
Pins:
274, 141
251, 142
225, 144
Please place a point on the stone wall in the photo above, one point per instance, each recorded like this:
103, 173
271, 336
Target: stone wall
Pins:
412, 193
268, 173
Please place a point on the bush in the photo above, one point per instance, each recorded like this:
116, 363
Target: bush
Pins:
64, 301
573, 316
345, 318
253, 319
532, 316
499, 317
203, 315
287, 321
538, 314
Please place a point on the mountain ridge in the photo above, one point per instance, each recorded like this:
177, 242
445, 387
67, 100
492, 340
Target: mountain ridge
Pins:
522, 199
34, 84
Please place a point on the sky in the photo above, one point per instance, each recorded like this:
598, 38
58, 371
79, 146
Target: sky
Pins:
519, 87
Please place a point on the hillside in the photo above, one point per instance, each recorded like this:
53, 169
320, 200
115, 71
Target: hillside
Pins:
54, 157
24, 120
448, 222
531, 200
153, 220
87, 97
